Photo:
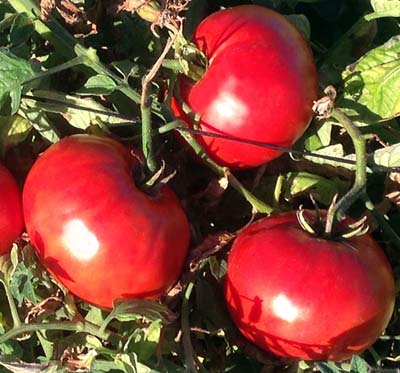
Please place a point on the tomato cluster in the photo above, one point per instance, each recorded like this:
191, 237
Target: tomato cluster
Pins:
103, 238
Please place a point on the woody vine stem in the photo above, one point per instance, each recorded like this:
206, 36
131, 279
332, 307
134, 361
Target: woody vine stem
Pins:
325, 109
359, 187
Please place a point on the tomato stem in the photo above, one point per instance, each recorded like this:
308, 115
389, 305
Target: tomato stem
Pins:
76, 326
56, 69
11, 303
278, 191
192, 362
257, 204
145, 108
387, 229
359, 187
187, 343
147, 138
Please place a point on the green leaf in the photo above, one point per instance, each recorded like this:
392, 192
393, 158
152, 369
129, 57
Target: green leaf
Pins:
218, 267
95, 316
13, 130
144, 340
358, 365
129, 364
80, 112
384, 8
303, 365
371, 82
13, 72
21, 29
134, 309
335, 150
23, 283
323, 189
39, 120
10, 347
387, 157
46, 344
104, 366
98, 85
349, 47
14, 258
317, 136
126, 68
328, 367
5, 267
301, 23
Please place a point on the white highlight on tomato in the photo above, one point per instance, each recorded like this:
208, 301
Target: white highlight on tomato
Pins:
284, 308
79, 240
227, 107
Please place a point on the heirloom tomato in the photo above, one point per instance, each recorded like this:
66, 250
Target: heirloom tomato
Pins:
95, 231
11, 216
304, 297
260, 84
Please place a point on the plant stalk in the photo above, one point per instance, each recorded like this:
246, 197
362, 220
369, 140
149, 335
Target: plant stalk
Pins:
78, 326
387, 230
13, 308
257, 204
147, 138
145, 108
359, 187
187, 344
67, 65
278, 191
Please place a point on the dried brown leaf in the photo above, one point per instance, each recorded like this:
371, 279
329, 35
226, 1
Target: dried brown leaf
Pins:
392, 188
46, 7
211, 196
130, 5
78, 359
169, 13
395, 176
73, 17
210, 246
394, 197
48, 305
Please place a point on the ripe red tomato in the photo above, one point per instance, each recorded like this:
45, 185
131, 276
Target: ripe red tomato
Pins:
260, 84
95, 231
11, 217
299, 296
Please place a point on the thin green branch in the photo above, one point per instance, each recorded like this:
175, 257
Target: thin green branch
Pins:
75, 326
13, 308
67, 65
145, 108
147, 136
278, 191
185, 325
257, 204
359, 186
387, 230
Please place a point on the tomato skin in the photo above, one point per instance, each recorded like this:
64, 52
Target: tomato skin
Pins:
11, 216
304, 297
95, 231
260, 84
